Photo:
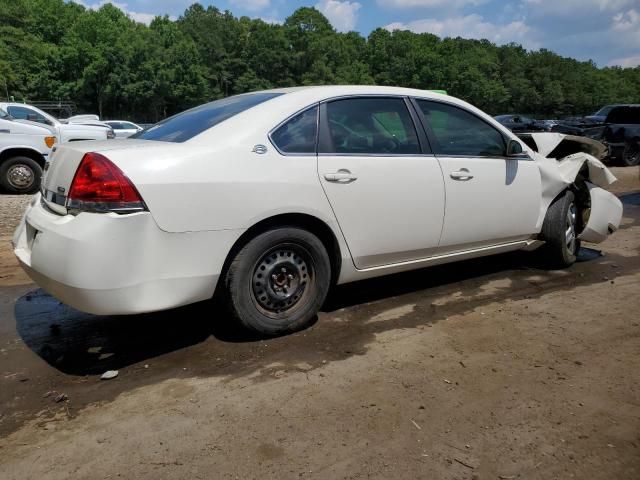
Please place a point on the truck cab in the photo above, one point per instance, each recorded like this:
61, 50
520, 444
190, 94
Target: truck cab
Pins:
66, 132
24, 149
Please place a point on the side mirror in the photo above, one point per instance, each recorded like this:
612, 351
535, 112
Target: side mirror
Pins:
514, 148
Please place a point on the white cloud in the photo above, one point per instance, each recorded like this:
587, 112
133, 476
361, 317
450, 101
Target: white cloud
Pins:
342, 15
564, 7
272, 20
429, 3
471, 26
253, 5
141, 17
631, 62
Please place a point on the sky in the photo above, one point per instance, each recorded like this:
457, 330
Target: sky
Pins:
605, 31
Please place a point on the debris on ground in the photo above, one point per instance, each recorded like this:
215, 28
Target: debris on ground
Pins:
109, 374
61, 397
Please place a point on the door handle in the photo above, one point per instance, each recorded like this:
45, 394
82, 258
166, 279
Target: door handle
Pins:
4, 130
462, 174
341, 176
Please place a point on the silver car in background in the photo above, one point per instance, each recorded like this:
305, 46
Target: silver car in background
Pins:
123, 129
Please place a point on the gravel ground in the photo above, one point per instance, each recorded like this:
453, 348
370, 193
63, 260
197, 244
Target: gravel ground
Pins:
487, 369
11, 208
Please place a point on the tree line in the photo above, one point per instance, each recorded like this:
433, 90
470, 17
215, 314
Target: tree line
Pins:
111, 65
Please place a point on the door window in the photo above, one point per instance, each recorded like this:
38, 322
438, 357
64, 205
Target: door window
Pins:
458, 132
371, 126
299, 134
24, 113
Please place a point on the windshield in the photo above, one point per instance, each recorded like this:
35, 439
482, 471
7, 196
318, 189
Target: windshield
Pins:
4, 115
188, 124
604, 111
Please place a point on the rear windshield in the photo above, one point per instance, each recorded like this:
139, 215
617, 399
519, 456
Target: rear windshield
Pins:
188, 124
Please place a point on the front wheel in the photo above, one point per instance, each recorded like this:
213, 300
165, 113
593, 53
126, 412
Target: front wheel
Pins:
278, 281
631, 153
560, 232
20, 175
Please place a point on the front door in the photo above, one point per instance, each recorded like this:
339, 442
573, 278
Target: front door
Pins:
387, 193
491, 199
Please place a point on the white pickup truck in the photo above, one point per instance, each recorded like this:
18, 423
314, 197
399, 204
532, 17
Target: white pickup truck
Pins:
66, 132
24, 149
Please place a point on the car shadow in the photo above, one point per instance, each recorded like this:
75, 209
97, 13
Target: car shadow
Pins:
77, 343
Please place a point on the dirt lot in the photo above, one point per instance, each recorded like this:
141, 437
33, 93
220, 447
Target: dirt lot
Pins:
489, 369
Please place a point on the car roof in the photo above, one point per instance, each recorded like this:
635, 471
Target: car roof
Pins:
266, 115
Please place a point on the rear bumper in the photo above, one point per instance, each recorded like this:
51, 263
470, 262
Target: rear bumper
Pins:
113, 264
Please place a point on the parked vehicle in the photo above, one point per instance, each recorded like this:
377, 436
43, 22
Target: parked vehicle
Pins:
520, 123
269, 198
123, 129
619, 131
66, 132
24, 149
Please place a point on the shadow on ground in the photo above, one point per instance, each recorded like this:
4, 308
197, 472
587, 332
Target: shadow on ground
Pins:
77, 343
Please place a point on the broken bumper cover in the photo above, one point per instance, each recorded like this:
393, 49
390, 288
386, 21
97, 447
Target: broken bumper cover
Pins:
113, 264
604, 217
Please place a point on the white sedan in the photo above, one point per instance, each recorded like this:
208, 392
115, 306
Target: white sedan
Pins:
123, 129
269, 198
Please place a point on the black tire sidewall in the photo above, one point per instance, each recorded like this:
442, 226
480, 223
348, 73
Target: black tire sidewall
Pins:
27, 162
239, 280
633, 144
553, 232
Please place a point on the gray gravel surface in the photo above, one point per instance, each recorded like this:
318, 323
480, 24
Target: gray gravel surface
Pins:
11, 208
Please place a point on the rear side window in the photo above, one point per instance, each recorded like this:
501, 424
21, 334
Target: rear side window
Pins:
299, 134
458, 132
188, 124
371, 126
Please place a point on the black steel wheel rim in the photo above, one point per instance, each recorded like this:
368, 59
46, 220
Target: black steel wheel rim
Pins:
282, 277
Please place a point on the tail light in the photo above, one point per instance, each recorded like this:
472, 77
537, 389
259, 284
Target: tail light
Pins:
100, 186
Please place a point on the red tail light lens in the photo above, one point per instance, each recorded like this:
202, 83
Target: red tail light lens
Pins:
100, 186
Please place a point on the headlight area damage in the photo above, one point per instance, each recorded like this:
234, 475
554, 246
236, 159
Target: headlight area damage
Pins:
568, 161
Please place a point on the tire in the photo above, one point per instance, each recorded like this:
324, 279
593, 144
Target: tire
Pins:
631, 153
560, 231
278, 281
20, 175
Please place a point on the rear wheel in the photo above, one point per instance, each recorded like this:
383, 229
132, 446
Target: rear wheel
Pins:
560, 232
631, 153
20, 175
278, 281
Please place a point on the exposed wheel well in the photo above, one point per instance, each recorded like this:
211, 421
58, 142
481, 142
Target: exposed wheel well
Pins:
22, 152
299, 220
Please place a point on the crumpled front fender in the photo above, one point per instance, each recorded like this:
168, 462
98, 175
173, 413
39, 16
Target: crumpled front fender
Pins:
605, 215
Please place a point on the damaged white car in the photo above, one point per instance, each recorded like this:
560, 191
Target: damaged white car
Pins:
269, 198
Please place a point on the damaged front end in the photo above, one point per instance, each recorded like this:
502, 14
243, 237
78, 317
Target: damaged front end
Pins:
573, 162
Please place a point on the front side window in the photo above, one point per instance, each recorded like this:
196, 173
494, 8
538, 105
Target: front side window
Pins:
188, 124
458, 132
24, 113
626, 115
371, 126
299, 134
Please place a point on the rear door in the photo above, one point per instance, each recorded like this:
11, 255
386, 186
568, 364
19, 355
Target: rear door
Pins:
491, 198
383, 183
